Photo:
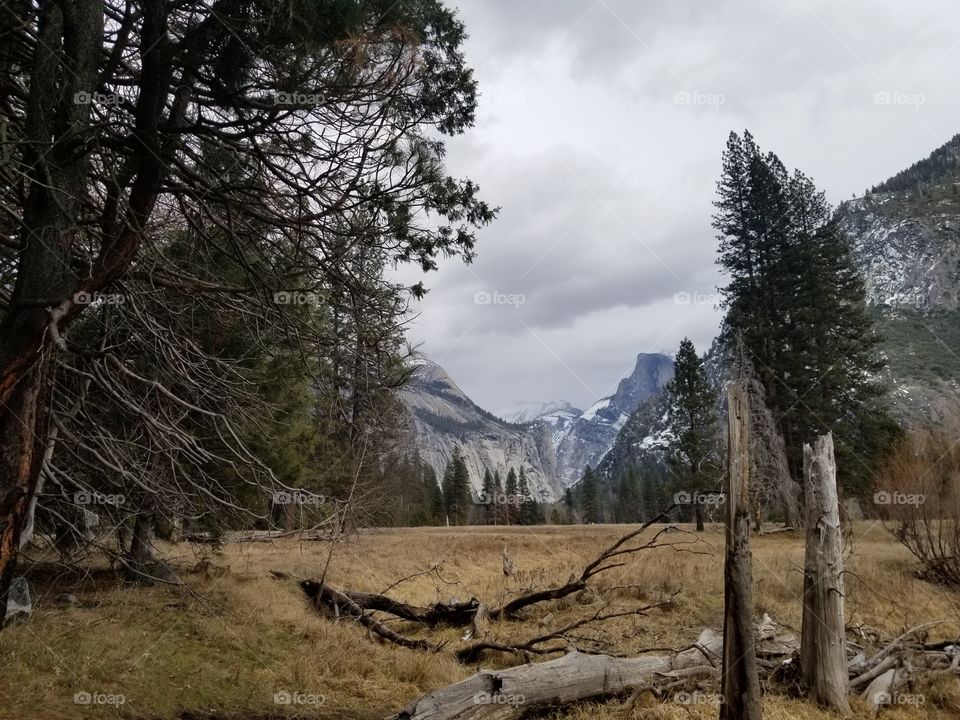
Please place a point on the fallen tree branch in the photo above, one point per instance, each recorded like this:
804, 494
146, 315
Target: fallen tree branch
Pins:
600, 564
473, 652
337, 602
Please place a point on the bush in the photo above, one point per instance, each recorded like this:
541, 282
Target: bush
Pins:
918, 497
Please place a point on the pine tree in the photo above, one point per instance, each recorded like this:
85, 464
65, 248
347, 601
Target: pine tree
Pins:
528, 506
592, 511
456, 489
798, 304
629, 504
499, 509
694, 426
510, 507
488, 499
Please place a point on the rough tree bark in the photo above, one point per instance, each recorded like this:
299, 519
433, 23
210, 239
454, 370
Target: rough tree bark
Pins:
739, 677
823, 659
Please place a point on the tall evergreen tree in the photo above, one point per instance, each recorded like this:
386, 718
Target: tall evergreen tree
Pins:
629, 501
694, 426
798, 303
499, 510
489, 491
527, 505
456, 489
512, 488
590, 489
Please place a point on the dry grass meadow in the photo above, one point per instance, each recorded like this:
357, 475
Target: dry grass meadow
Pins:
224, 649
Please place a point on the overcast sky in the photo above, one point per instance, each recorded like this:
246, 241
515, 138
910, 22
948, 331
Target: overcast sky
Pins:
599, 134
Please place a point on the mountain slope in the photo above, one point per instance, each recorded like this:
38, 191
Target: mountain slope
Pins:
443, 417
552, 413
906, 241
591, 435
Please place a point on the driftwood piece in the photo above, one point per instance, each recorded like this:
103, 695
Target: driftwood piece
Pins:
880, 691
707, 650
740, 676
886, 664
508, 694
514, 693
537, 645
823, 656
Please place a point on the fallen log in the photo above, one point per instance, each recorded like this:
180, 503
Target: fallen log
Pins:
509, 694
708, 650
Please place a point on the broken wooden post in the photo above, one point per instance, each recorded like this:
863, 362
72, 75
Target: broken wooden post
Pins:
739, 677
823, 658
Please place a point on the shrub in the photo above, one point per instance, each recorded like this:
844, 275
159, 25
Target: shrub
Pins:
918, 497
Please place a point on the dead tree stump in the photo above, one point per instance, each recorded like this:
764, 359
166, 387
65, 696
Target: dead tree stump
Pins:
823, 657
739, 677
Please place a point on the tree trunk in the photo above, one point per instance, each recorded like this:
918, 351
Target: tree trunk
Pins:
823, 658
739, 678
22, 431
43, 293
141, 544
698, 511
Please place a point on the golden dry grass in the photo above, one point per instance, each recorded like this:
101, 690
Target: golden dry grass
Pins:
224, 652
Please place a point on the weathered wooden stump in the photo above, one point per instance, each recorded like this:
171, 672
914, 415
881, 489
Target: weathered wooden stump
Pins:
739, 676
823, 659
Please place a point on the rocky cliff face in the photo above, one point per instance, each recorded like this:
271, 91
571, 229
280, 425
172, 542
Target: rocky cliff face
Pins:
442, 418
591, 435
908, 251
906, 241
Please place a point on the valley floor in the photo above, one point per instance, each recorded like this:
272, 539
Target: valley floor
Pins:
239, 637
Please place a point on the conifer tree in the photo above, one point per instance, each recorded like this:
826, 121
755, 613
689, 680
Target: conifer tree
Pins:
487, 499
796, 300
629, 502
590, 489
434, 495
510, 508
527, 505
499, 517
456, 489
694, 427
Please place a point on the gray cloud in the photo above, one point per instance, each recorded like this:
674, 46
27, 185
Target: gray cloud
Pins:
600, 131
